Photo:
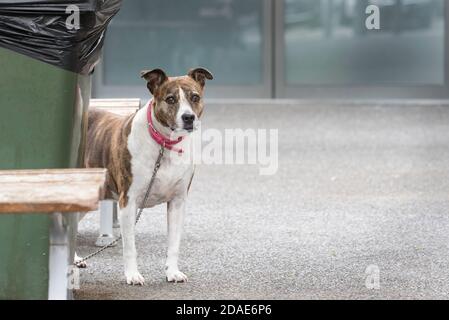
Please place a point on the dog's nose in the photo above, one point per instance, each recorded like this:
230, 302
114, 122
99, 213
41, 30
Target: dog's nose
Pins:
188, 118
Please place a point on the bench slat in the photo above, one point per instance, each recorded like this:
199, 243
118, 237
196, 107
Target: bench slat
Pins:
121, 107
115, 103
120, 111
55, 190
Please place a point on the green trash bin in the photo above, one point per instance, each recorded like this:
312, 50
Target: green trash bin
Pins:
44, 97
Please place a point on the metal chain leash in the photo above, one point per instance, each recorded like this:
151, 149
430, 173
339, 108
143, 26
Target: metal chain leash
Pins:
147, 194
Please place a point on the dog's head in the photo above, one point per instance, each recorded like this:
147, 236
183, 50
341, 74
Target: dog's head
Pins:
178, 101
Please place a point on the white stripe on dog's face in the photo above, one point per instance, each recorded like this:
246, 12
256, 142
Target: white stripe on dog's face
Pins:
185, 109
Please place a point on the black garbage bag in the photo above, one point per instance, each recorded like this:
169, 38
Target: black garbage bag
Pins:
67, 34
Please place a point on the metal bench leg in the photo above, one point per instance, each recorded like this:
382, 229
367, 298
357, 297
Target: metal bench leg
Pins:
106, 223
59, 259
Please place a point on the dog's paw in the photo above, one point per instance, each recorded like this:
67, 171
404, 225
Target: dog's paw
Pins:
78, 261
176, 276
134, 279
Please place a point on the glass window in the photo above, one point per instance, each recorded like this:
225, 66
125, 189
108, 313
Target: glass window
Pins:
327, 43
224, 36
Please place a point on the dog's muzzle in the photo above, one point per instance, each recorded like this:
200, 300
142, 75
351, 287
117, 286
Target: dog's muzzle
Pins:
188, 119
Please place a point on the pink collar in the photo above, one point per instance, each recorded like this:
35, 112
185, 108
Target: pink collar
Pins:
158, 137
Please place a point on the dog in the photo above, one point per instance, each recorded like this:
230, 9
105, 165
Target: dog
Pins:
129, 146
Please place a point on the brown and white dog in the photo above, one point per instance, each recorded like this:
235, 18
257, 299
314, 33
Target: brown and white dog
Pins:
129, 146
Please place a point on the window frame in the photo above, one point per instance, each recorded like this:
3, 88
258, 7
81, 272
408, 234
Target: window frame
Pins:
283, 90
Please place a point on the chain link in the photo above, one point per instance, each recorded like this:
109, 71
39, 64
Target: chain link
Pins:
157, 165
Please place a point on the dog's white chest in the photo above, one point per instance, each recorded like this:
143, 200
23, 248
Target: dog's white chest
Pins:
171, 180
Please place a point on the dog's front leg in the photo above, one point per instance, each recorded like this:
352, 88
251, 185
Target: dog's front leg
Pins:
127, 222
175, 221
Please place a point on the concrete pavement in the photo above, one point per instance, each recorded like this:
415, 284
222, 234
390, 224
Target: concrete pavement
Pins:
357, 185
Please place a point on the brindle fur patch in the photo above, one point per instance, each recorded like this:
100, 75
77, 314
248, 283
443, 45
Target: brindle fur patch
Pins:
107, 138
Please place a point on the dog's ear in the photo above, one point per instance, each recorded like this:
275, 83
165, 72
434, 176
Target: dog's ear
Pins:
200, 75
155, 78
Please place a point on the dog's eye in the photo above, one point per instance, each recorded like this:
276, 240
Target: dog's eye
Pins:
195, 98
170, 100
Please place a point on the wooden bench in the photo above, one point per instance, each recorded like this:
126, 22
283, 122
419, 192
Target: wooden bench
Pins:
108, 208
57, 192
